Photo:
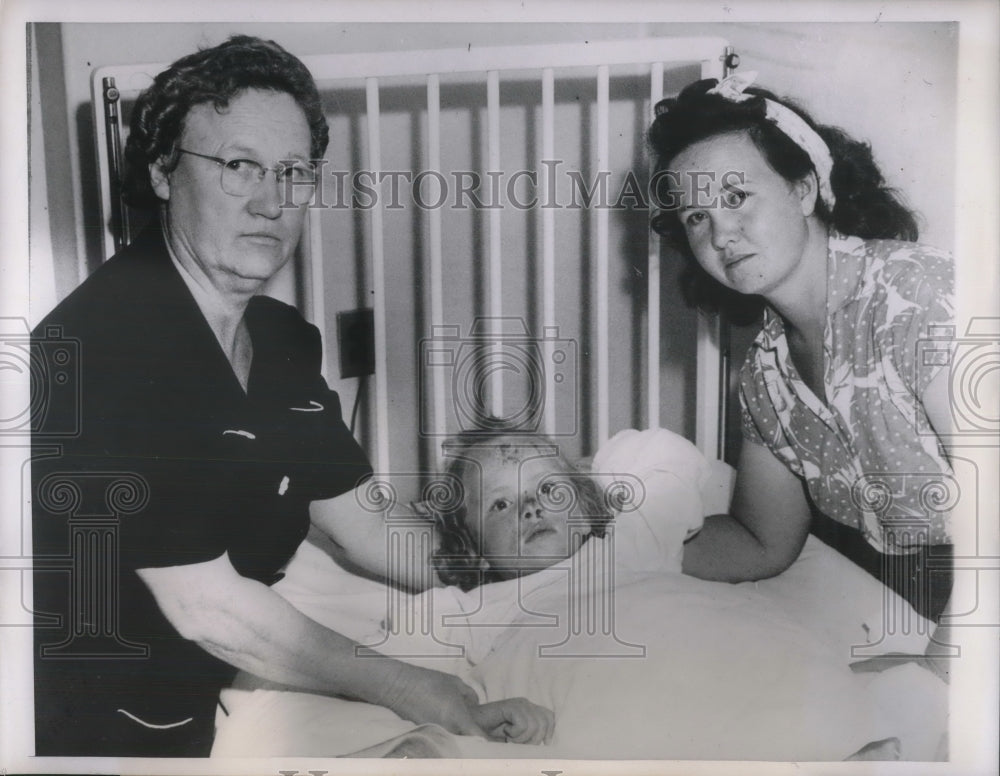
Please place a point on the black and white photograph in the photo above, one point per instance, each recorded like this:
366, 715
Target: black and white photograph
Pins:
520, 387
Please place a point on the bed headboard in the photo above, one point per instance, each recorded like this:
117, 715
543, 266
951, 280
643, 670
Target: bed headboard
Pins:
473, 345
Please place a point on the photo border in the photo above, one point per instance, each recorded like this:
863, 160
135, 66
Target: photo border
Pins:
975, 683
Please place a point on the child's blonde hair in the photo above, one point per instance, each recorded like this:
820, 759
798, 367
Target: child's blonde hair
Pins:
459, 561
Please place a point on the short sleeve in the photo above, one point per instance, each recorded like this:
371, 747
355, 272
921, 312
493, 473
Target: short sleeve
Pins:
203, 490
748, 428
761, 422
748, 400
153, 509
188, 518
919, 306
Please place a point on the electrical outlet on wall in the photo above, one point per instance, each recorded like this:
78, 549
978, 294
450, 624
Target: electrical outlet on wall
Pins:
356, 341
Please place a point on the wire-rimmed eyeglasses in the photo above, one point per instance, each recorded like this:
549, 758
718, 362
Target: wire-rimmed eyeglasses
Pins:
241, 177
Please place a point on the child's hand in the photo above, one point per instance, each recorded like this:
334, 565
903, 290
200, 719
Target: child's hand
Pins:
515, 720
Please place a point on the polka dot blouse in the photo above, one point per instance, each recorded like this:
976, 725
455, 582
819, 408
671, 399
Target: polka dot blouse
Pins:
866, 449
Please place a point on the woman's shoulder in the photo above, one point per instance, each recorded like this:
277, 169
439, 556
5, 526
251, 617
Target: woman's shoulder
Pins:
902, 251
902, 256
914, 271
130, 292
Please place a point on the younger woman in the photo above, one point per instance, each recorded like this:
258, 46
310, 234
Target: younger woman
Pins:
771, 210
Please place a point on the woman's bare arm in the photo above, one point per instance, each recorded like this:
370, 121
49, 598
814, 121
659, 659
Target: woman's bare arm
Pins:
765, 530
364, 537
248, 625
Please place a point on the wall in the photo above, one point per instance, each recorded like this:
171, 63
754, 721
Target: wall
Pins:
907, 98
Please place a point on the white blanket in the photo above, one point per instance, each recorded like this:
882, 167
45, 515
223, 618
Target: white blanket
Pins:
636, 662
688, 670
722, 673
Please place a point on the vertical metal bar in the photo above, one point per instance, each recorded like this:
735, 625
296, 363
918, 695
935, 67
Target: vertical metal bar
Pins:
725, 332
603, 397
708, 386
653, 280
436, 254
112, 121
730, 61
496, 265
313, 258
548, 250
378, 280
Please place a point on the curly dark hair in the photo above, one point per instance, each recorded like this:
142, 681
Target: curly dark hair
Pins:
214, 75
865, 206
458, 560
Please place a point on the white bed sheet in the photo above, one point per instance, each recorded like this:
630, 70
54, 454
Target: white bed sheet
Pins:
750, 671
656, 665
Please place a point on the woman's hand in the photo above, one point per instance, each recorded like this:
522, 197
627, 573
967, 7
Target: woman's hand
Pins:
516, 720
424, 696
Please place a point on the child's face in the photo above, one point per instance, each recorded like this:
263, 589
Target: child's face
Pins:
518, 510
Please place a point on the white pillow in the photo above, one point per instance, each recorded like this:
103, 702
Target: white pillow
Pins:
848, 608
666, 476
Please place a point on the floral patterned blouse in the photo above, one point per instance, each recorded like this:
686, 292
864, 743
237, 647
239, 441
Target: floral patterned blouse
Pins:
865, 449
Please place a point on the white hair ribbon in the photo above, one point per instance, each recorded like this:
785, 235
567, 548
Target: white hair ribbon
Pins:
731, 87
790, 123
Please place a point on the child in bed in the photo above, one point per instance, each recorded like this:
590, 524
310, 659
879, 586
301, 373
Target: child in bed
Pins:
525, 507
524, 518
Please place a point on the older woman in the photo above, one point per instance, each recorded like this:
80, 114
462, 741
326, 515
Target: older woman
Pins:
771, 210
209, 401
